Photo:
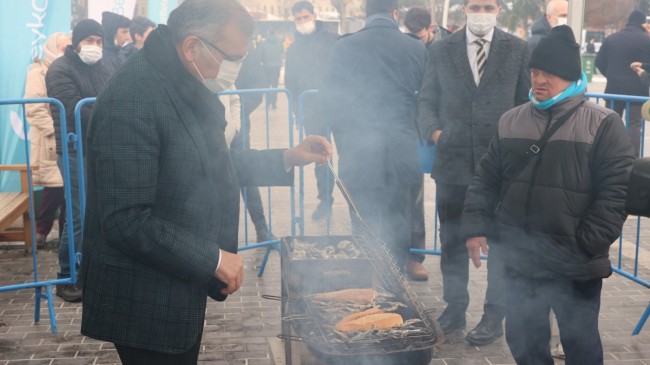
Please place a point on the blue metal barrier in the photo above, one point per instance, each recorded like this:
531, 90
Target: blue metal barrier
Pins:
618, 268
272, 244
300, 123
80, 161
37, 284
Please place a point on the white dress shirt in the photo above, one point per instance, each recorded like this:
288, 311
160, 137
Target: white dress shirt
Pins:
472, 49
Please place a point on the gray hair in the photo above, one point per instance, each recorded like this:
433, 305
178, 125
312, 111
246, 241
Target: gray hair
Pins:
206, 18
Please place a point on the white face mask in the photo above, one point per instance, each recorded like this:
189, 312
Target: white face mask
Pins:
481, 23
90, 54
562, 21
306, 27
228, 72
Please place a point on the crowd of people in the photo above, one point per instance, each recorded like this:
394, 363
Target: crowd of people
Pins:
527, 172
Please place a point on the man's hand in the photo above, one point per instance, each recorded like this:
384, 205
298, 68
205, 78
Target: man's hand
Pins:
436, 135
311, 149
230, 272
637, 67
475, 246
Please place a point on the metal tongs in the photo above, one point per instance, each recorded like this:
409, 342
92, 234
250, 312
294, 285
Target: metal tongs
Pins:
346, 195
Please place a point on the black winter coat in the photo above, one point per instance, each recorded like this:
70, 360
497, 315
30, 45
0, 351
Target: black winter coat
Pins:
565, 208
306, 63
618, 51
538, 31
69, 80
163, 199
112, 58
370, 101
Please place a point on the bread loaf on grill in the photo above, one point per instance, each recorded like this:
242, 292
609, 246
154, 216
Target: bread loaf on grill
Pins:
342, 325
370, 322
348, 295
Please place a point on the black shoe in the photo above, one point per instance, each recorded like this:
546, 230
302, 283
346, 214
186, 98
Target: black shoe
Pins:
40, 241
69, 292
322, 211
451, 321
488, 329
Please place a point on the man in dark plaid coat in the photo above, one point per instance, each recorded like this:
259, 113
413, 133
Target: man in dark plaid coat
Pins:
163, 188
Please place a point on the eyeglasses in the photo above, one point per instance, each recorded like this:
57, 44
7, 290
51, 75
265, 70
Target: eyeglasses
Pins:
486, 8
226, 56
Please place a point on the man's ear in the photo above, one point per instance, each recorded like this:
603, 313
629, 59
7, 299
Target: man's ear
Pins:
190, 48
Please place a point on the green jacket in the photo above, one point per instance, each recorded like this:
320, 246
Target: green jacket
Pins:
162, 199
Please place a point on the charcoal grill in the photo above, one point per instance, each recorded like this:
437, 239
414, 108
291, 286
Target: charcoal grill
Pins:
301, 279
306, 276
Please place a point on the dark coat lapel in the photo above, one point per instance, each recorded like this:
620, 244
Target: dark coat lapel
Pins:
191, 125
499, 50
458, 54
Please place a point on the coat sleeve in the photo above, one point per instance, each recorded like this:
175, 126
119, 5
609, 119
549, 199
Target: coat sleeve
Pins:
123, 168
483, 194
611, 163
523, 82
261, 168
38, 115
429, 100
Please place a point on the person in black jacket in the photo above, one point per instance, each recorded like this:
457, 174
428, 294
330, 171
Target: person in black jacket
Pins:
556, 14
304, 69
116, 30
552, 209
617, 52
77, 75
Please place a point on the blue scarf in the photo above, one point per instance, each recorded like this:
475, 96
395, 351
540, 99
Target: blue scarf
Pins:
576, 88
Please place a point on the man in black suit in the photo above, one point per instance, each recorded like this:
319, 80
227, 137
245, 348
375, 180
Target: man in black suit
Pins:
472, 77
370, 100
163, 189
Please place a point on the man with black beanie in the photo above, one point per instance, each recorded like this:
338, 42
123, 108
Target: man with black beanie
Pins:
619, 50
77, 75
550, 195
116, 29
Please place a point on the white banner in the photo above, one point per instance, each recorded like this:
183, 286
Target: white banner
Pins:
122, 7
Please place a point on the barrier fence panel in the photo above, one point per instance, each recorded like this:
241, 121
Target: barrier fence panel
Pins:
620, 267
273, 244
38, 284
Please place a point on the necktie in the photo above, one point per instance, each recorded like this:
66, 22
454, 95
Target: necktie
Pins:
480, 56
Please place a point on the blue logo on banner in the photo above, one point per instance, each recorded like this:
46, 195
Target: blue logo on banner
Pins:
25, 26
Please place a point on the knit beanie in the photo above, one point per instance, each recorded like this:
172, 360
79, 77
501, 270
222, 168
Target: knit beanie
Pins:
558, 54
636, 18
85, 28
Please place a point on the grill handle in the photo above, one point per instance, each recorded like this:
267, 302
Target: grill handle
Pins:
284, 337
278, 298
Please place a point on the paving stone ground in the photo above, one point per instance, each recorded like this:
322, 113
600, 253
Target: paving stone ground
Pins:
236, 331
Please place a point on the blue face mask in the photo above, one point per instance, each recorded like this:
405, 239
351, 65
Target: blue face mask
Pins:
576, 88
